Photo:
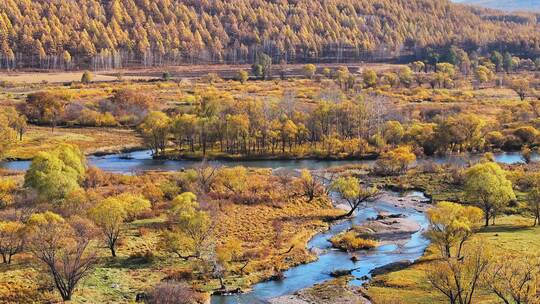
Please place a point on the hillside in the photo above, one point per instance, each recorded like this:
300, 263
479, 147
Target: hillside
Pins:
509, 6
103, 34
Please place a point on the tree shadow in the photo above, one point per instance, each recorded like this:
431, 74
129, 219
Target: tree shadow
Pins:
505, 228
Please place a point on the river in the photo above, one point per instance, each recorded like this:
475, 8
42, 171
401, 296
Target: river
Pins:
132, 162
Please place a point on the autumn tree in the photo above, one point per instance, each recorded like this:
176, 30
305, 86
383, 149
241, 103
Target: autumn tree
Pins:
309, 185
62, 247
521, 87
111, 213
395, 161
513, 279
533, 204
191, 228
7, 136
487, 186
232, 179
460, 279
484, 74
242, 76
450, 225
155, 130
45, 107
406, 76
8, 187
353, 193
498, 60
56, 173
309, 70
369, 78
262, 68
393, 132
16, 121
12, 239
418, 66
86, 77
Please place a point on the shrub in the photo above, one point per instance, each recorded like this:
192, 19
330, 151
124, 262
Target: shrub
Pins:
174, 293
349, 241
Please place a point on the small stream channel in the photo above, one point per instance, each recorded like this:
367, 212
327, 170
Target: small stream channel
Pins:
307, 275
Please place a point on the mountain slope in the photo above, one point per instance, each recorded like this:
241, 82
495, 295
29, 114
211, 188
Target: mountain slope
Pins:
113, 33
507, 5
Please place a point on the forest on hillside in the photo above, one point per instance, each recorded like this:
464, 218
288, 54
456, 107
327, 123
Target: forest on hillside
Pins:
105, 34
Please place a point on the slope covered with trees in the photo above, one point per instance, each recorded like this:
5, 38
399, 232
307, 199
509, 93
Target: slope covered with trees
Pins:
103, 34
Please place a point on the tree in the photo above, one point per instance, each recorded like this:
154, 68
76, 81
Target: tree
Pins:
8, 186
418, 66
450, 225
86, 77
133, 204
393, 131
242, 76
354, 194
155, 130
16, 121
191, 228
497, 59
67, 59
166, 76
513, 279
56, 173
7, 136
370, 78
45, 107
459, 279
12, 239
521, 87
109, 215
395, 161
486, 185
62, 247
309, 185
262, 67
233, 179
309, 70
405, 75
533, 204
508, 62
483, 74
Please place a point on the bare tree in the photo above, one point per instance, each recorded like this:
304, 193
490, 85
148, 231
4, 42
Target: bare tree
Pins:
206, 175
62, 248
459, 278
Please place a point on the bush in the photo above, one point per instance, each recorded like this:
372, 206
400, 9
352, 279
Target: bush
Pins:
174, 293
349, 241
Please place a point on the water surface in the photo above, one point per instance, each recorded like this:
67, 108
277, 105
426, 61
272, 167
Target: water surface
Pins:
142, 161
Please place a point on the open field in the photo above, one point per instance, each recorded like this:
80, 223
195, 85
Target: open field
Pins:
90, 140
178, 72
411, 286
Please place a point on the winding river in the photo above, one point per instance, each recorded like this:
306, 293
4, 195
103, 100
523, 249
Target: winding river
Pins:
305, 275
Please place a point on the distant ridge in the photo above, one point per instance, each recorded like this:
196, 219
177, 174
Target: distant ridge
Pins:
507, 5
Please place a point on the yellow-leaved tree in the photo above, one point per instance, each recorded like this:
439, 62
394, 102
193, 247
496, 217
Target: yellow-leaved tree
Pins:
486, 185
450, 225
